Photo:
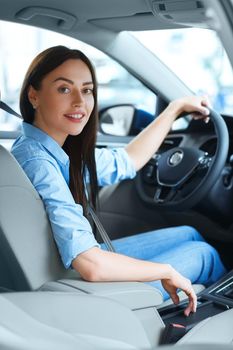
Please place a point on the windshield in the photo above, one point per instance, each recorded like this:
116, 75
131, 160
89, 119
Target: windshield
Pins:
198, 58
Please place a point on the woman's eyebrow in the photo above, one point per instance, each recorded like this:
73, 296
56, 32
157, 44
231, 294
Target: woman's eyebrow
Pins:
88, 83
65, 79
71, 81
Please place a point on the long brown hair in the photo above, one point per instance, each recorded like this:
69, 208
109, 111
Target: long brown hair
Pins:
80, 148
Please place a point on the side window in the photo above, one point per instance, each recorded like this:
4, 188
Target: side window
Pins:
116, 85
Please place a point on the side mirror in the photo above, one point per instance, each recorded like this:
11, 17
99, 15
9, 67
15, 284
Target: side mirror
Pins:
123, 120
117, 120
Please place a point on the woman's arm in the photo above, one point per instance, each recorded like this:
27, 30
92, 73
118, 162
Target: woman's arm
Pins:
96, 265
143, 146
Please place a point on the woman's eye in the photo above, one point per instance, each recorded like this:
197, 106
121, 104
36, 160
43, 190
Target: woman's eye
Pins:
64, 90
88, 91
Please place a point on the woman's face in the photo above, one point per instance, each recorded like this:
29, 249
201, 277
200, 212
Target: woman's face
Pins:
65, 100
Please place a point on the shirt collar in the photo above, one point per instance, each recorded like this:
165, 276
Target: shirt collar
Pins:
45, 140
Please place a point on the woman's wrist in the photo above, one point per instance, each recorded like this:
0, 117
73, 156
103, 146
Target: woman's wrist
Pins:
175, 108
167, 271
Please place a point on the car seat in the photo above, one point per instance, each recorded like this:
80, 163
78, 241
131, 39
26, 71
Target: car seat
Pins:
67, 321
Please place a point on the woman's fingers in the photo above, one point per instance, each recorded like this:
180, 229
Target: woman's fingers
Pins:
197, 105
197, 116
206, 120
177, 281
192, 306
204, 109
206, 101
175, 298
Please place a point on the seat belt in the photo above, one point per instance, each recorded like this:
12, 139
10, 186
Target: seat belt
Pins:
101, 230
8, 109
92, 212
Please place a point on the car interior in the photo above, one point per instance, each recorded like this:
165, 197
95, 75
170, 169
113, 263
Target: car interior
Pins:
44, 305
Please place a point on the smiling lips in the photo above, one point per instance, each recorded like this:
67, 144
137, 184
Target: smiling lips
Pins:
75, 117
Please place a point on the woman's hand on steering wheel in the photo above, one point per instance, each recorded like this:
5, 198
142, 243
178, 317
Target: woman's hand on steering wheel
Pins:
197, 106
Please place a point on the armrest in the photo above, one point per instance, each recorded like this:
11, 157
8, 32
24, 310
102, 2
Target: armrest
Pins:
134, 295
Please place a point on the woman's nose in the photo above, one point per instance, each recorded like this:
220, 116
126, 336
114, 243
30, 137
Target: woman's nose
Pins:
78, 99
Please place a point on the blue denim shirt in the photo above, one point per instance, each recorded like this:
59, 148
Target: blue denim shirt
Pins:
47, 166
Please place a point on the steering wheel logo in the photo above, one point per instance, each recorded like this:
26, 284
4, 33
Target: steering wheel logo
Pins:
175, 158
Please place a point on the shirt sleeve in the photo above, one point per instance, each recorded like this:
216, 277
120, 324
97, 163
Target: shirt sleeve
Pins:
113, 165
72, 231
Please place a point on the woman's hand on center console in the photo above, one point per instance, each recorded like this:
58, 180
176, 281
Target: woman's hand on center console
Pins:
177, 281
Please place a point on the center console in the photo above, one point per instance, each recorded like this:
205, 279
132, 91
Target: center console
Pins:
211, 301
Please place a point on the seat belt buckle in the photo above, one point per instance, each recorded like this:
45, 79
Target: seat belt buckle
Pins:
172, 333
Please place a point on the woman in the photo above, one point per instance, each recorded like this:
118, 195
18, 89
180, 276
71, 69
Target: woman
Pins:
58, 103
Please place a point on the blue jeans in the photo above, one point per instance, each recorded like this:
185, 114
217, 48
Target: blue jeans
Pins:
182, 247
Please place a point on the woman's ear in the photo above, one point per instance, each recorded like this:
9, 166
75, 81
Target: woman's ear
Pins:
33, 97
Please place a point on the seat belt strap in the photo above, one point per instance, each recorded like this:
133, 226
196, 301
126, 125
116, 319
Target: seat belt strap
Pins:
8, 109
101, 230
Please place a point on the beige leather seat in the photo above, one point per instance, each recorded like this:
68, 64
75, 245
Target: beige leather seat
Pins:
67, 321
43, 320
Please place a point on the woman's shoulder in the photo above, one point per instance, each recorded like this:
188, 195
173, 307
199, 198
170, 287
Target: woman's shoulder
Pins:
25, 149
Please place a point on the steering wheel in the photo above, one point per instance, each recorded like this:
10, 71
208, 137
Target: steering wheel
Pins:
180, 177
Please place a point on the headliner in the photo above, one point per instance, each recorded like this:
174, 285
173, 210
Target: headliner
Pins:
113, 15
